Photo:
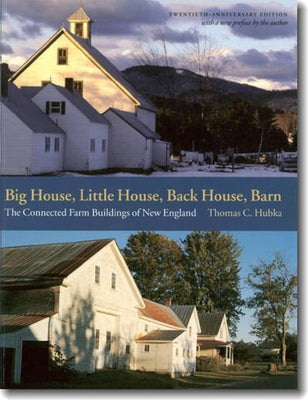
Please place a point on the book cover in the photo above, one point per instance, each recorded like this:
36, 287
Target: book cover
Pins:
149, 195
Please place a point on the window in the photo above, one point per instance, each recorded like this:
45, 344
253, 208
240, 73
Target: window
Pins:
113, 280
92, 145
103, 145
62, 56
96, 345
189, 329
57, 145
97, 274
187, 352
147, 348
47, 144
78, 85
55, 107
176, 351
127, 349
146, 327
79, 29
183, 352
108, 341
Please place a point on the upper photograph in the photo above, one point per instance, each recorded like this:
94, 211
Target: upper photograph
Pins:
163, 88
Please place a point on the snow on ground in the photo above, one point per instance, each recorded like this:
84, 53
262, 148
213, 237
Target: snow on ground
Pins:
182, 170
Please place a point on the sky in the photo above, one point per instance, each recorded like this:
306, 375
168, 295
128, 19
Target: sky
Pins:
256, 246
257, 38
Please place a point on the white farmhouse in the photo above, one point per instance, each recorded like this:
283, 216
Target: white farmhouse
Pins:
132, 141
169, 332
87, 131
213, 338
81, 298
70, 54
31, 143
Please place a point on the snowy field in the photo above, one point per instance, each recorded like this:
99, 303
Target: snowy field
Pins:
244, 171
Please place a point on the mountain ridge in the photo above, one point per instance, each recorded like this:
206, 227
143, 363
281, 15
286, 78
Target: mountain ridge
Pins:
168, 82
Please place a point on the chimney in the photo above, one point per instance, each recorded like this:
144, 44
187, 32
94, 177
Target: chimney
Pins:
168, 303
69, 84
5, 74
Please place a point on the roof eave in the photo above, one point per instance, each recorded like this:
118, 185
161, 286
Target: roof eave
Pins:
55, 36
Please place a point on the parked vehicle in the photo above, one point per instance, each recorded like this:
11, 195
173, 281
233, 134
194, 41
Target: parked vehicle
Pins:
288, 162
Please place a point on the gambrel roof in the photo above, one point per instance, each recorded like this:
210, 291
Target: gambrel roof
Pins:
135, 123
28, 112
210, 322
99, 60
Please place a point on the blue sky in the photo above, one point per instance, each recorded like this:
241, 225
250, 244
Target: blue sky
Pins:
255, 245
263, 56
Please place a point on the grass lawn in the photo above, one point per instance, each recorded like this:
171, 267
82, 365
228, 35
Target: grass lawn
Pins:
252, 377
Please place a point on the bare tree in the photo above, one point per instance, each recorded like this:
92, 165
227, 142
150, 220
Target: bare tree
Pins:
155, 55
206, 57
274, 301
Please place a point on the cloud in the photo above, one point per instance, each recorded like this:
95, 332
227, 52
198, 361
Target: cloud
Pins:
276, 66
253, 57
6, 49
119, 24
172, 35
113, 17
266, 21
31, 29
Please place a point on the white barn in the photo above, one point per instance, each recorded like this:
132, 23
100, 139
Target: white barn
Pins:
70, 54
80, 297
87, 132
31, 143
131, 140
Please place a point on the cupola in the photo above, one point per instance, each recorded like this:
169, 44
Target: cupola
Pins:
80, 24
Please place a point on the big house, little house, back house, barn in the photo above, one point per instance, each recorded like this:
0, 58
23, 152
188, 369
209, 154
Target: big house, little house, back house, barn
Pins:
81, 299
70, 54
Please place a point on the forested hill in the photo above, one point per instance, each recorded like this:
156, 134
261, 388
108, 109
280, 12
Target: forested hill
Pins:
168, 82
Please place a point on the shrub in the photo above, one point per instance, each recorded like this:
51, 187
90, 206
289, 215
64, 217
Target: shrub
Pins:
209, 364
234, 367
60, 368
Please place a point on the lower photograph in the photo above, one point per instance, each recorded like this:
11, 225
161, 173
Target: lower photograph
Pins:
148, 310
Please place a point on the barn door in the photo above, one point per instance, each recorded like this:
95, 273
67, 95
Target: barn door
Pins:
34, 365
7, 363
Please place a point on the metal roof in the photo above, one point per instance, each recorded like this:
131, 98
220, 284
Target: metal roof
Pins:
79, 15
212, 344
161, 313
28, 112
183, 312
210, 322
161, 335
74, 97
11, 323
134, 122
46, 264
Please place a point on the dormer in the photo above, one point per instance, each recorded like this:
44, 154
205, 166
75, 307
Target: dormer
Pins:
80, 24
